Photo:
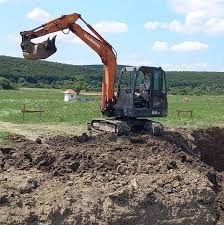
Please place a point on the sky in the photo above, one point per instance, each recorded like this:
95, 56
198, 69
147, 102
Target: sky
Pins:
173, 34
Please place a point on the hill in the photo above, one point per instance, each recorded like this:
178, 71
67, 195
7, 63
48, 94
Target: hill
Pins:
89, 77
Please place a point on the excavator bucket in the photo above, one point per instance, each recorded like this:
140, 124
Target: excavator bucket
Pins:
42, 50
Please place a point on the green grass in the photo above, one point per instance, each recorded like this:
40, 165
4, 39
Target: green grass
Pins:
51, 101
207, 110
3, 135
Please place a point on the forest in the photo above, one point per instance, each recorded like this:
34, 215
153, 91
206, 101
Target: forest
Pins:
18, 72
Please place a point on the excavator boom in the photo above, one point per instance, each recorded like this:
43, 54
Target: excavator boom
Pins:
93, 39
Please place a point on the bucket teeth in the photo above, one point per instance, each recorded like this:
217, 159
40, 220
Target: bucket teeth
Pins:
41, 50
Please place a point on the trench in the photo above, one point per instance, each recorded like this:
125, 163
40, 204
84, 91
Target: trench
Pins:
210, 144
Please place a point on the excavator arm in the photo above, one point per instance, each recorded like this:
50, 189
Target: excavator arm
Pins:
94, 40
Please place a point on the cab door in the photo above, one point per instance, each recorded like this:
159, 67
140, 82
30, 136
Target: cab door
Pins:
159, 94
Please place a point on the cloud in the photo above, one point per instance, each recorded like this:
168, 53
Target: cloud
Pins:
38, 14
192, 25
135, 60
194, 66
215, 25
211, 8
199, 16
186, 46
173, 25
160, 46
111, 27
153, 25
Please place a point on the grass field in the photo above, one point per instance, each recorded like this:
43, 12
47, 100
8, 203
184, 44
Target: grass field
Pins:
3, 135
207, 110
51, 101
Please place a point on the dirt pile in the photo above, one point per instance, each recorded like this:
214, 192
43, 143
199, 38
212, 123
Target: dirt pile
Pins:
110, 180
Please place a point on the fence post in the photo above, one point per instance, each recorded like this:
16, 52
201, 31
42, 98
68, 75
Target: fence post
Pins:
23, 110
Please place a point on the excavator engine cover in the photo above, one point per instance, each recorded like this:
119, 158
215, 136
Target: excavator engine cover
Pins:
42, 50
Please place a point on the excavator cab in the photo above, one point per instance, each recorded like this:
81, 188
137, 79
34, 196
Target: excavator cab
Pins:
142, 92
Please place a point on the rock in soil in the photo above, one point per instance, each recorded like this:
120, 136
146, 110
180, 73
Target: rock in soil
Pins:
140, 179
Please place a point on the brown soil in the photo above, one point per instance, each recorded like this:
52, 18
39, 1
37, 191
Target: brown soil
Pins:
111, 180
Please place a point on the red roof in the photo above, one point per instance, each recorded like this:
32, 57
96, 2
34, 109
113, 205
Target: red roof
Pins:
70, 91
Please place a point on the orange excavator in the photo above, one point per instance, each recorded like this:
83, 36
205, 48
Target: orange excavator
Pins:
141, 91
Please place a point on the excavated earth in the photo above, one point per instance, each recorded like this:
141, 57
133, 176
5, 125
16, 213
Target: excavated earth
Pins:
176, 179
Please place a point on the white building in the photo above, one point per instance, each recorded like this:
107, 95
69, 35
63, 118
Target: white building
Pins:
70, 95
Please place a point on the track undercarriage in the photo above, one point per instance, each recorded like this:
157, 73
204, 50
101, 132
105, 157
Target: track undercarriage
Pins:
125, 126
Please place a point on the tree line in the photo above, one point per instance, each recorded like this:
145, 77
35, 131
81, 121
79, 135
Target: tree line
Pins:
18, 72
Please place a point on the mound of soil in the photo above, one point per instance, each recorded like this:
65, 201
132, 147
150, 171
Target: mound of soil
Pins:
113, 180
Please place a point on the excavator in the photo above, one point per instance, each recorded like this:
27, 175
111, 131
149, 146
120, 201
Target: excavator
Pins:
141, 92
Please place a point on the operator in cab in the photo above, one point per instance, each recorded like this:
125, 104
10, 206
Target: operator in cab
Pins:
145, 87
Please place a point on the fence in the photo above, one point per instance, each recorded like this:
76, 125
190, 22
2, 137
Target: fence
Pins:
24, 111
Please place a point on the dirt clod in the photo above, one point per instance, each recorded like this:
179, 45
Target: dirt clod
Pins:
3, 199
28, 186
38, 141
